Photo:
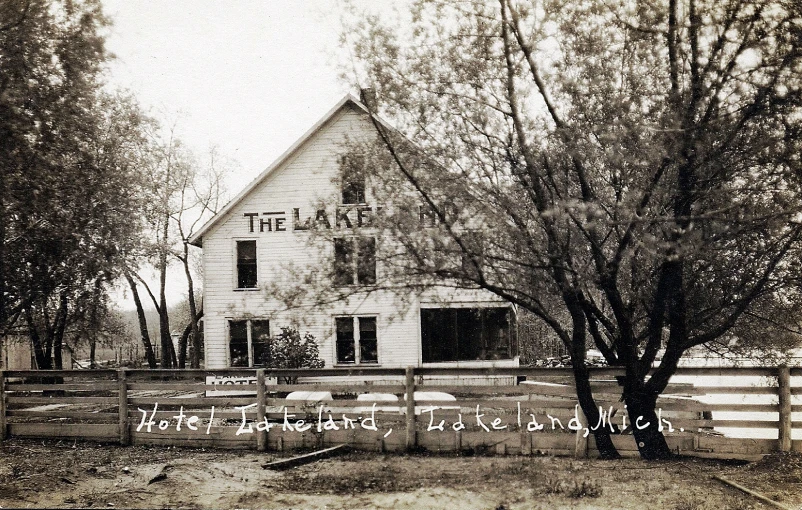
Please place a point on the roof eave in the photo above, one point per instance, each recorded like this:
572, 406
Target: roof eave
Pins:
197, 238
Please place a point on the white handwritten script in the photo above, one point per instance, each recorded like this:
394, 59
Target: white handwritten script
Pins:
326, 421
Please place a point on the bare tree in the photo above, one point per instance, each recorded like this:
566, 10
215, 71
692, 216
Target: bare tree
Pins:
182, 195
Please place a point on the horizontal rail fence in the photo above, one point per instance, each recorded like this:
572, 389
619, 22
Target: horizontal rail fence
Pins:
721, 412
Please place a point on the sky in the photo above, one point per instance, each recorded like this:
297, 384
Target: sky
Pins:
247, 76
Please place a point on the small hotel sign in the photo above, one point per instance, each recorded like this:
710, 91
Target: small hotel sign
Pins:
345, 216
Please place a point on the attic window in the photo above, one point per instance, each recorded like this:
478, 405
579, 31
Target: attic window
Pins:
353, 180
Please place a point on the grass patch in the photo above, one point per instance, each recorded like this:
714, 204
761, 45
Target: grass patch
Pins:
572, 488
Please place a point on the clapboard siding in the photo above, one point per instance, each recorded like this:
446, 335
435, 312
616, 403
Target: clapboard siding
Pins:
303, 180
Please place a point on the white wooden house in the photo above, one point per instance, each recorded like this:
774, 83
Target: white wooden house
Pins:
252, 239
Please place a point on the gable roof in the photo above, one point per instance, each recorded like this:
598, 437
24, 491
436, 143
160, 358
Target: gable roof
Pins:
349, 99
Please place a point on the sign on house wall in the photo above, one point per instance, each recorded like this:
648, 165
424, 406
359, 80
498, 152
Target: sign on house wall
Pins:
350, 216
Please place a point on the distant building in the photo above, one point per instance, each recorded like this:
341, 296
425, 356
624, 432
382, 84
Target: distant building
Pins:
15, 353
246, 244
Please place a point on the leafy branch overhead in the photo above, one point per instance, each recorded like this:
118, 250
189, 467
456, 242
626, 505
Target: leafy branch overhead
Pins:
632, 169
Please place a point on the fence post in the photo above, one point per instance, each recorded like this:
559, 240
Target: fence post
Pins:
2, 405
784, 383
261, 435
122, 389
409, 386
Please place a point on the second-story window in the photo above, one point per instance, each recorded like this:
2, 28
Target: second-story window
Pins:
354, 261
246, 264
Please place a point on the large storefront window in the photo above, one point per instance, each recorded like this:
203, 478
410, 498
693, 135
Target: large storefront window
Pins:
249, 343
356, 340
467, 334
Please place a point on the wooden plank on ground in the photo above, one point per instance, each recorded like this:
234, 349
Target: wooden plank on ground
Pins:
755, 494
306, 458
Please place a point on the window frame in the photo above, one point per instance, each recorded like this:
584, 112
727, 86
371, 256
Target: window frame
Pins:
357, 332
238, 263
352, 181
429, 340
250, 341
354, 261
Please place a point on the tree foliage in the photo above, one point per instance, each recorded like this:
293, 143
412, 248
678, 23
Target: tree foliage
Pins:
68, 151
289, 349
628, 172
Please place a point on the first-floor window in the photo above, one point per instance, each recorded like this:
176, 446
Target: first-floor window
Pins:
466, 334
249, 342
356, 340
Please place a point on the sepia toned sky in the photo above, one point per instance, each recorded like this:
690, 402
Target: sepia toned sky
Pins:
249, 76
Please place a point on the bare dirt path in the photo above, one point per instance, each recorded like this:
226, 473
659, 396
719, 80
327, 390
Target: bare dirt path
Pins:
66, 475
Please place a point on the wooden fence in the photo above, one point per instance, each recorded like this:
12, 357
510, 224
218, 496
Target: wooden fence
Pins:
518, 411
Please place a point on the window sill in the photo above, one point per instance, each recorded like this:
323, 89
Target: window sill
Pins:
245, 289
358, 365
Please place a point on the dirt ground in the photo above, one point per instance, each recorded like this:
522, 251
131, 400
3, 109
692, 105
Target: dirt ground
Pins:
36, 474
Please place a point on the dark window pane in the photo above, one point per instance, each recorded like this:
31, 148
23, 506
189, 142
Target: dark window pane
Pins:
353, 178
368, 345
353, 189
246, 250
260, 339
343, 261
346, 351
465, 334
354, 192
438, 335
238, 343
246, 264
366, 265
469, 334
497, 334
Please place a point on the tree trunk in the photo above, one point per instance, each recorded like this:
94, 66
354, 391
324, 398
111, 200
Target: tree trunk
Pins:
143, 323
604, 443
168, 359
602, 434
58, 333
647, 427
43, 361
182, 346
193, 313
